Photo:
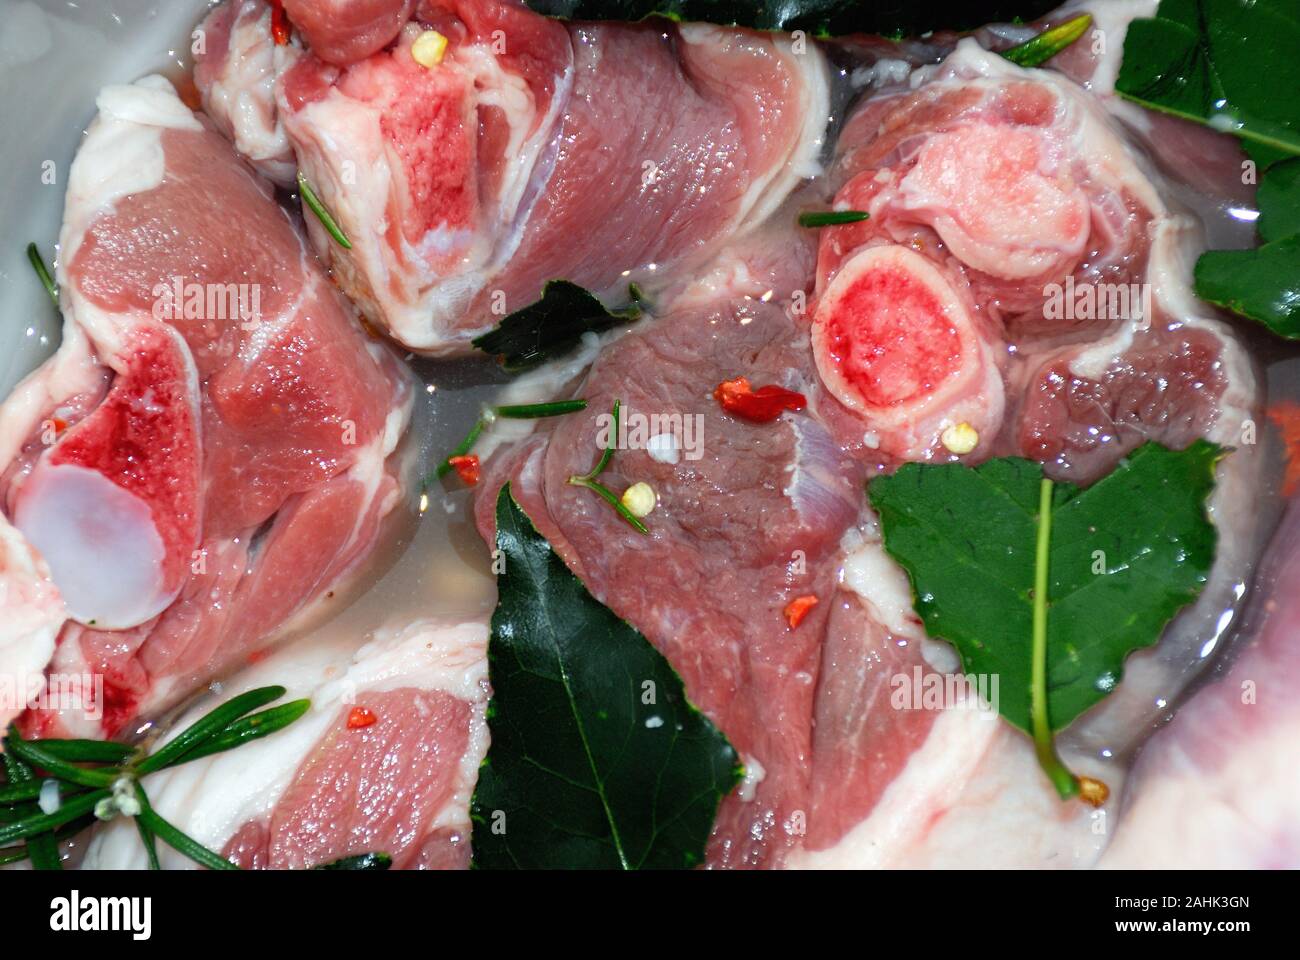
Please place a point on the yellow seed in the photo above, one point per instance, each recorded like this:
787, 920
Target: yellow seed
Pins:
640, 499
428, 48
1093, 791
960, 438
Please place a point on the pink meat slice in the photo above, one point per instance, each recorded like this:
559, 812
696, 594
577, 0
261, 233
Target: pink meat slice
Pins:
1217, 787
234, 464
384, 761
344, 31
738, 533
536, 150
374, 788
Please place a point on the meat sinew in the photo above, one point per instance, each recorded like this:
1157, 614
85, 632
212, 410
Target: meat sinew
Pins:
926, 315
209, 451
533, 150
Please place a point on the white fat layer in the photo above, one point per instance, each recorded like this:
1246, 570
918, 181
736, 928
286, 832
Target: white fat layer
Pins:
883, 587
71, 371
971, 796
244, 93
885, 72
211, 799
33, 613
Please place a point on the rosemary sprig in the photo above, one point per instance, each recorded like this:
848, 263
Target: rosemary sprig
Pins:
43, 272
44, 851
111, 784
525, 411
148, 839
831, 218
589, 481
327, 221
1038, 50
207, 727
177, 840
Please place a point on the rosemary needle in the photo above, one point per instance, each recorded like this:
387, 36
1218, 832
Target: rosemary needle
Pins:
327, 221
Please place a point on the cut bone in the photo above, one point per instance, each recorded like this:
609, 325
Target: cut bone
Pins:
984, 191
894, 342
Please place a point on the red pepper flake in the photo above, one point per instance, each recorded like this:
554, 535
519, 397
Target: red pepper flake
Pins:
760, 406
59, 424
798, 608
279, 24
359, 717
466, 467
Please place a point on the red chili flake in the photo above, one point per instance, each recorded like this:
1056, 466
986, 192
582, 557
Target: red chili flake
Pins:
257, 656
279, 24
59, 424
466, 468
762, 405
359, 717
798, 608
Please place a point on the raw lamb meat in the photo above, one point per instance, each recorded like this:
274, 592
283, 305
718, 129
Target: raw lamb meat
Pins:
195, 470
344, 31
603, 154
1217, 788
337, 783
990, 187
934, 295
235, 69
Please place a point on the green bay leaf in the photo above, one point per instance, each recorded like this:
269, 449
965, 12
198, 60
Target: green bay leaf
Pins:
966, 537
1228, 63
1263, 284
553, 325
597, 760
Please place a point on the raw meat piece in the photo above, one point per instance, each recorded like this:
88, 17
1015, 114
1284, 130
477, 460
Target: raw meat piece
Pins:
1049, 255
208, 452
344, 31
1217, 787
837, 773
603, 154
753, 522
322, 789
235, 72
